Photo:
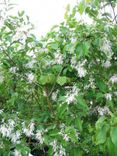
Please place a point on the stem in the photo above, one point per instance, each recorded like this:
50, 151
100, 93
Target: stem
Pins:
48, 100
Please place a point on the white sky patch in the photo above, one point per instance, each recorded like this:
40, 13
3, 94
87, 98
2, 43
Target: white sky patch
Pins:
44, 13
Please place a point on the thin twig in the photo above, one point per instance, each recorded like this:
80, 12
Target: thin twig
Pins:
113, 12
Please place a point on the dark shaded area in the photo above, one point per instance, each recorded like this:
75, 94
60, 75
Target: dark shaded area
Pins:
36, 151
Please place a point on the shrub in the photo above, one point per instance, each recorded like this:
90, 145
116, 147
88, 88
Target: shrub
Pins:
58, 94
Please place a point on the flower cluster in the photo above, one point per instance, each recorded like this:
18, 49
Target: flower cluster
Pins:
39, 136
58, 58
113, 79
7, 130
71, 95
28, 130
54, 95
103, 110
106, 48
57, 150
79, 66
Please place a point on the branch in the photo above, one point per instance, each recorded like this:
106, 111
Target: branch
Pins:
113, 12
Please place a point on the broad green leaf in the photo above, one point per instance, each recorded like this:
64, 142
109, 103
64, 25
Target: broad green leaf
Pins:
47, 79
114, 121
54, 46
113, 134
111, 147
61, 80
100, 122
101, 135
82, 49
81, 104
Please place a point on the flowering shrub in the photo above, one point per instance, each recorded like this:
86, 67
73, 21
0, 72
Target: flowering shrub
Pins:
58, 95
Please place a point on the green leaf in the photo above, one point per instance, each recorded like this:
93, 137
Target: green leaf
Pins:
78, 123
101, 85
54, 46
21, 13
111, 147
75, 152
82, 49
81, 7
61, 80
100, 122
99, 96
9, 25
67, 11
71, 132
101, 135
61, 110
81, 104
113, 134
47, 79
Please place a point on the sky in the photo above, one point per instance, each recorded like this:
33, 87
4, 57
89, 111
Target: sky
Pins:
44, 13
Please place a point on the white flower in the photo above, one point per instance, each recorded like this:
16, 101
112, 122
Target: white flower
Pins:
54, 95
15, 137
6, 130
108, 96
30, 154
45, 94
11, 122
66, 137
107, 64
54, 145
71, 96
56, 154
79, 66
31, 54
103, 110
28, 131
63, 134
1, 23
106, 48
81, 71
17, 153
39, 136
58, 58
13, 69
58, 150
73, 62
30, 77
113, 79
73, 40
30, 64
62, 151
1, 111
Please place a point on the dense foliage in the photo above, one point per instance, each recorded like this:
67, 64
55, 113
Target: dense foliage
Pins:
58, 95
